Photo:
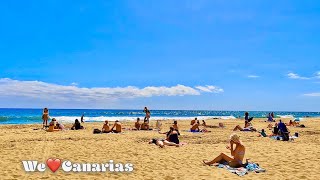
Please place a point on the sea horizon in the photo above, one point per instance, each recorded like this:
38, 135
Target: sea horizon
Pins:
33, 115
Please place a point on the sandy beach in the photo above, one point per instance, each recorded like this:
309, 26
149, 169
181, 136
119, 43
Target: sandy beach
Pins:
298, 159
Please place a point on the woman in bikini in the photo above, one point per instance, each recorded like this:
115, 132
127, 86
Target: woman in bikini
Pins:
237, 153
45, 117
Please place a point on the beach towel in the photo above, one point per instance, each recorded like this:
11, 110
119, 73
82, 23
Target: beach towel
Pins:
291, 138
250, 167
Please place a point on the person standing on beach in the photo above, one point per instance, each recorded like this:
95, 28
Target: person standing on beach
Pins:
45, 117
82, 118
148, 114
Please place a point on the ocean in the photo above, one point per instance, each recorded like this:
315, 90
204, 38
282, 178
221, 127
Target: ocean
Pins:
33, 116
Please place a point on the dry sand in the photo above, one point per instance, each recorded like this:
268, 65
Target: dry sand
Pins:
299, 159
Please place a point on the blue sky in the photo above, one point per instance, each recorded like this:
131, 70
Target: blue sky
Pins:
204, 54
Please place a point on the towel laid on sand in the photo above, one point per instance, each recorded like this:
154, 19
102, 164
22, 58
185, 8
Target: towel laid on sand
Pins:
291, 138
250, 167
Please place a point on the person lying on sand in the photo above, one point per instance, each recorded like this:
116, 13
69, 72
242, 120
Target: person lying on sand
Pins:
117, 127
106, 127
162, 143
237, 153
77, 125
247, 127
292, 123
204, 124
262, 133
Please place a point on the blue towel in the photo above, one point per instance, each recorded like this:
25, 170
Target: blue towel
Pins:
251, 167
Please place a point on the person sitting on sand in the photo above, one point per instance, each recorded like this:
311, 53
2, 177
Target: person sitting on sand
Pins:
117, 127
275, 131
283, 130
162, 143
137, 124
247, 127
175, 126
145, 125
106, 127
270, 118
247, 118
195, 128
60, 126
45, 117
53, 126
76, 125
193, 121
237, 153
167, 133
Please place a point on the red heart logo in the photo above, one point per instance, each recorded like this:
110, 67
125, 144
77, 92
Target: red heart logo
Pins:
54, 164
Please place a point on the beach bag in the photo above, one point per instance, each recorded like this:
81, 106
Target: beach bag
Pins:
96, 131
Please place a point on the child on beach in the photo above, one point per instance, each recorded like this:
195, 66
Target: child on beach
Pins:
45, 117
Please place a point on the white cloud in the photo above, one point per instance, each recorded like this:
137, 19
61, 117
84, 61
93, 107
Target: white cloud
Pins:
317, 75
210, 89
43, 90
296, 76
253, 76
313, 94
74, 84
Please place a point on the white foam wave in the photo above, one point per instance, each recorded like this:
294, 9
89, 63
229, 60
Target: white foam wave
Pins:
286, 116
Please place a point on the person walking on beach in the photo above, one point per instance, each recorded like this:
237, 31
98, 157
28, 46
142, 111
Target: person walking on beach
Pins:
45, 117
148, 114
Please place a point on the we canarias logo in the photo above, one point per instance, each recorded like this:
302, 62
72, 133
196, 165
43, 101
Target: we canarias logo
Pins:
67, 166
